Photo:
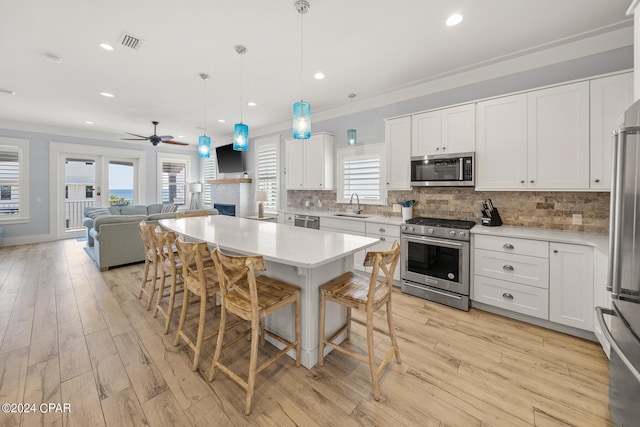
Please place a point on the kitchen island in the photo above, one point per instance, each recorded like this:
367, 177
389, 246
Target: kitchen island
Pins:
300, 256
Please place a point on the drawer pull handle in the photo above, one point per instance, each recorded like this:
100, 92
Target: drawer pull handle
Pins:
507, 295
507, 267
555, 251
383, 239
507, 246
382, 230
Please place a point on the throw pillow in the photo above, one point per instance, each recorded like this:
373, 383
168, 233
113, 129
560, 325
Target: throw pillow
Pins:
169, 208
94, 213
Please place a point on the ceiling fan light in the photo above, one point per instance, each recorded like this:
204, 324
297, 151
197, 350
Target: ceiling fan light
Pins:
301, 120
204, 146
240, 137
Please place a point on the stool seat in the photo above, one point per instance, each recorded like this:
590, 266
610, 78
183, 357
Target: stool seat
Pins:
354, 287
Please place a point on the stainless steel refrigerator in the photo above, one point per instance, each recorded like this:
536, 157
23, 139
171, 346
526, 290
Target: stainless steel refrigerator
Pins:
622, 328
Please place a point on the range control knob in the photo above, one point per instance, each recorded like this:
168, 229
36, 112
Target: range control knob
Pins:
411, 229
461, 234
430, 231
404, 228
452, 233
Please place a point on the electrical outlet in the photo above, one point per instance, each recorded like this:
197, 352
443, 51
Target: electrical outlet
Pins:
577, 219
397, 208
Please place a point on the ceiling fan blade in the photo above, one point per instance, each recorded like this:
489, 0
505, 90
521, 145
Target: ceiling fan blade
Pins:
139, 136
165, 137
174, 142
133, 139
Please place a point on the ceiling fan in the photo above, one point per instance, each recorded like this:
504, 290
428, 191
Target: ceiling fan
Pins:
155, 139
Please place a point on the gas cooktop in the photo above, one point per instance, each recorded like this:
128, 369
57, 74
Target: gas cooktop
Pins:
441, 222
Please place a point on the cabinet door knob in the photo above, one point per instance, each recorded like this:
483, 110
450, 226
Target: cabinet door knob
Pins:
597, 180
522, 182
507, 246
507, 295
532, 181
383, 239
444, 148
507, 267
382, 230
437, 148
555, 251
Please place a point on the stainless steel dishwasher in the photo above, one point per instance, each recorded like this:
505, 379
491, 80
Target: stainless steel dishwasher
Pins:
307, 221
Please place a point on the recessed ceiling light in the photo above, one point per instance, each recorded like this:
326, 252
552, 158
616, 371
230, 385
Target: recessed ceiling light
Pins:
319, 75
107, 94
180, 136
251, 104
89, 122
53, 58
454, 19
222, 121
106, 46
7, 91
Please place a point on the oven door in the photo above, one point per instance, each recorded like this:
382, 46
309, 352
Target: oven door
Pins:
438, 263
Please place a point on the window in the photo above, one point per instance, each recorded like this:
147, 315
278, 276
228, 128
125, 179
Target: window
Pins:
209, 173
14, 183
88, 191
360, 170
267, 170
173, 172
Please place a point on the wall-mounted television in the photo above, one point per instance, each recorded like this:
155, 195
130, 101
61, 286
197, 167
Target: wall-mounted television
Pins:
229, 160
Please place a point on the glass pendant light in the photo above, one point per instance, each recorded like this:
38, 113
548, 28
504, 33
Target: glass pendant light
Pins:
352, 134
301, 110
240, 130
204, 142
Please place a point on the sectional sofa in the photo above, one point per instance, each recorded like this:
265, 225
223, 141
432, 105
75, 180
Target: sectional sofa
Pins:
112, 232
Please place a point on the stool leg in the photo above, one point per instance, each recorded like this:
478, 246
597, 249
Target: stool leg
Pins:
372, 356
321, 337
153, 285
392, 331
172, 301
144, 277
253, 360
160, 293
216, 354
203, 312
183, 315
349, 323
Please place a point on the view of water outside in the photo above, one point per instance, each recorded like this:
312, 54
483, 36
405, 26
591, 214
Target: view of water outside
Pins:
120, 183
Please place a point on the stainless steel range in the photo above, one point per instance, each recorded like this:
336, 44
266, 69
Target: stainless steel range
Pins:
435, 263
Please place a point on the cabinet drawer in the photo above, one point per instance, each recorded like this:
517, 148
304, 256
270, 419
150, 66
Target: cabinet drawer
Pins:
343, 224
382, 229
527, 270
512, 296
510, 245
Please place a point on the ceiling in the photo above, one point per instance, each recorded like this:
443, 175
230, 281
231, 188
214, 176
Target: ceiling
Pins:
366, 47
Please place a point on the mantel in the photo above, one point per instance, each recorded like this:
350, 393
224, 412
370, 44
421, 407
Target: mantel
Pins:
230, 181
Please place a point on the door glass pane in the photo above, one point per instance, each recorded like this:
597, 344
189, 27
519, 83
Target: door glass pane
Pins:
80, 180
434, 261
121, 183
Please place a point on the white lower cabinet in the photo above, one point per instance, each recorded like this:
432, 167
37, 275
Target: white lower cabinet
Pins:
387, 234
286, 218
547, 280
571, 269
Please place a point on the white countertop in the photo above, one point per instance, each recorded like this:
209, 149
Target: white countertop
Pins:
285, 244
598, 241
393, 220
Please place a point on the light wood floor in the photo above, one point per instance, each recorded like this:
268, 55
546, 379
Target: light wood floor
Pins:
71, 334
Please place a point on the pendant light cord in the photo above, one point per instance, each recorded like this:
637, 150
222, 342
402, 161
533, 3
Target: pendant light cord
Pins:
301, 56
241, 86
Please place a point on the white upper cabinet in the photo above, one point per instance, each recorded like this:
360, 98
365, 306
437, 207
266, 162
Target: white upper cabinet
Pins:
398, 145
610, 97
310, 162
450, 130
537, 140
501, 156
558, 137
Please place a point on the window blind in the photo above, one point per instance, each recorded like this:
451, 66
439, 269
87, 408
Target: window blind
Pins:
267, 175
362, 176
209, 167
9, 182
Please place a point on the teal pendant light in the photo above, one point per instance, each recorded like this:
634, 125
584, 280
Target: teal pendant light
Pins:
204, 142
301, 110
240, 130
352, 134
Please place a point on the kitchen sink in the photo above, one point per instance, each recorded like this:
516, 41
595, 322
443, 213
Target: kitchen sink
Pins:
351, 215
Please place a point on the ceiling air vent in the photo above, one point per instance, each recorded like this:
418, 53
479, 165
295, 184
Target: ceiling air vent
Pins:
131, 41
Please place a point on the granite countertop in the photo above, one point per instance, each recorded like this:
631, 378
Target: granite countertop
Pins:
598, 241
282, 243
393, 220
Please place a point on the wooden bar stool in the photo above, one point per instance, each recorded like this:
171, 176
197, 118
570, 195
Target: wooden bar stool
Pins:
363, 293
200, 279
251, 298
150, 261
191, 214
170, 265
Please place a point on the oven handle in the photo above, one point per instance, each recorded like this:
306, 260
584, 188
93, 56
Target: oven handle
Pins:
439, 242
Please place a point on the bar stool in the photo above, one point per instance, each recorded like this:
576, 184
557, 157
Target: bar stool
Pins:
150, 261
363, 293
199, 279
191, 214
251, 298
170, 265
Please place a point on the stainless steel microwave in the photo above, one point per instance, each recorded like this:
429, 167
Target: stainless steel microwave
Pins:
443, 170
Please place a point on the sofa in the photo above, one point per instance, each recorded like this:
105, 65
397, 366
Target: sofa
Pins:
112, 232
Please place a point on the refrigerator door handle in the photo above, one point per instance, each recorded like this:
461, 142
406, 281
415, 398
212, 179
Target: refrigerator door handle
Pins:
615, 214
614, 345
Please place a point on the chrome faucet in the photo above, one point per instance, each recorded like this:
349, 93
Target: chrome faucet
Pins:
357, 210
